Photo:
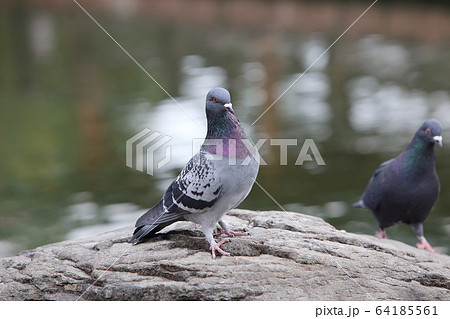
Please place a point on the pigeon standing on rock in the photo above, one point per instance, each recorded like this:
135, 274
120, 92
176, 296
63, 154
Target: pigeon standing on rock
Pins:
404, 189
216, 179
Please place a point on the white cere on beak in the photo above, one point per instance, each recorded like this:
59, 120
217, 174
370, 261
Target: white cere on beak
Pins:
229, 106
438, 140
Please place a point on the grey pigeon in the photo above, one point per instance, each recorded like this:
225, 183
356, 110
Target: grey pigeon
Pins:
216, 179
404, 189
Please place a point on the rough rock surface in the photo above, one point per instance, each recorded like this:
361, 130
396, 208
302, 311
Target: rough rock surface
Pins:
289, 256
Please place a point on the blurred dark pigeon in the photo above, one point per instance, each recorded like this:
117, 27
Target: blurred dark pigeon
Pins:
404, 189
216, 179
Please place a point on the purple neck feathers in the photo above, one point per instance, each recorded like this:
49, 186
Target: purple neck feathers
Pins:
226, 137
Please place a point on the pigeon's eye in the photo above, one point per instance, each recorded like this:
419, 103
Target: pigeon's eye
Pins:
428, 131
214, 100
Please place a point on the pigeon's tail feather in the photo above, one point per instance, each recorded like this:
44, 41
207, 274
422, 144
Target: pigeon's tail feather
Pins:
360, 204
140, 233
155, 219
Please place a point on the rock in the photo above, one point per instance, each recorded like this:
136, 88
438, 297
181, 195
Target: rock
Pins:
289, 256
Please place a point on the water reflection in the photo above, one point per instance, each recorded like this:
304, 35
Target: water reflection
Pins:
70, 99
187, 121
96, 220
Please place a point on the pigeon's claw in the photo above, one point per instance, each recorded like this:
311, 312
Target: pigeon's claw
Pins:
425, 245
381, 234
216, 247
231, 233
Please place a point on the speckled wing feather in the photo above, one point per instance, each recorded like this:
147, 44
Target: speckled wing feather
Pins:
196, 188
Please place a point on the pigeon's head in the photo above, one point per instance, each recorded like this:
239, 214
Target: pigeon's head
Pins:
431, 132
218, 102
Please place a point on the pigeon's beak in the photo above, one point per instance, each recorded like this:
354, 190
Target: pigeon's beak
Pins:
438, 140
229, 107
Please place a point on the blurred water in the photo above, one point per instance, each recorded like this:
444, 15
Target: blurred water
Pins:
70, 98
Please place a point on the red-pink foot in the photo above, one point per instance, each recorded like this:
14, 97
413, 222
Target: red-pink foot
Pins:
232, 233
216, 247
381, 234
425, 245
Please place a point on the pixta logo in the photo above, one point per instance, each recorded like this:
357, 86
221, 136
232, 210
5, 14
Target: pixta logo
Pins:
141, 148
307, 151
144, 153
